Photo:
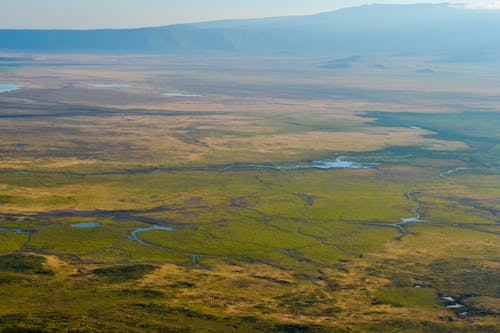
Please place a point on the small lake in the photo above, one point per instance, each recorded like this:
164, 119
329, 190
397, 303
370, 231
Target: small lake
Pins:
452, 302
405, 220
339, 163
112, 85
181, 95
86, 225
9, 87
455, 306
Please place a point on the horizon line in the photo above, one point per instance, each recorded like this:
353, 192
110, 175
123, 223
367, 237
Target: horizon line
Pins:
450, 4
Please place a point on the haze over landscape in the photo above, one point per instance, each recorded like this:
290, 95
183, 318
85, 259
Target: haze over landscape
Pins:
249, 166
95, 14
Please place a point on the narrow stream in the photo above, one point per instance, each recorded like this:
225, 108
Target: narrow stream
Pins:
15, 230
135, 236
401, 226
27, 232
339, 163
451, 172
137, 231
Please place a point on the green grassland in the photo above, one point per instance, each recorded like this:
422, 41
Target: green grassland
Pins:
247, 249
11, 241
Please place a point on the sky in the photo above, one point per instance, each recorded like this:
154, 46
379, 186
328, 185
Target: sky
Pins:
92, 14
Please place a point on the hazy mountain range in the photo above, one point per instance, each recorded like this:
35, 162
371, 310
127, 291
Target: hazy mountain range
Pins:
450, 31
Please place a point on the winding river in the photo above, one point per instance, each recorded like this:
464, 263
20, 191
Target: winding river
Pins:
339, 163
137, 231
401, 226
135, 236
451, 172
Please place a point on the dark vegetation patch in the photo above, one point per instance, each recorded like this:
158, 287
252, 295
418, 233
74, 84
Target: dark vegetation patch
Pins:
271, 279
71, 111
239, 202
143, 293
182, 285
409, 326
313, 303
300, 328
13, 279
5, 199
154, 317
455, 276
124, 273
476, 128
406, 155
476, 204
144, 316
464, 277
45, 322
23, 263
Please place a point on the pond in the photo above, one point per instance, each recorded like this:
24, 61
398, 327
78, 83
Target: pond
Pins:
8, 87
339, 163
86, 225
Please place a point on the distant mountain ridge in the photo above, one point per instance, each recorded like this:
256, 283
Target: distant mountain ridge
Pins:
422, 29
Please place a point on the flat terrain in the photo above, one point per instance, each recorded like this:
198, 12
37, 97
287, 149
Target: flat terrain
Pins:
166, 194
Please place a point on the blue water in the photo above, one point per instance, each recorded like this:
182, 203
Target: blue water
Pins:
17, 231
86, 225
339, 163
155, 227
8, 87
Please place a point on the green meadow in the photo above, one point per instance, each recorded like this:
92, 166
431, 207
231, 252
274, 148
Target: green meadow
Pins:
136, 214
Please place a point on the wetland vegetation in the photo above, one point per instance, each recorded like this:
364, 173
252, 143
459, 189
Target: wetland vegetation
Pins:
281, 201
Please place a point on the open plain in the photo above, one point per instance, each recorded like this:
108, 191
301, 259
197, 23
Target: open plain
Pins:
206, 194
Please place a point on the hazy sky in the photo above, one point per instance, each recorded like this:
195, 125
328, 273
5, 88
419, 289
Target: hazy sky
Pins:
90, 14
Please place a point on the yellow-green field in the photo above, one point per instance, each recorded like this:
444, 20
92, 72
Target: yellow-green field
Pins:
124, 210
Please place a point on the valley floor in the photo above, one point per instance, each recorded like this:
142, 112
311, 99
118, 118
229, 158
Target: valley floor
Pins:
149, 194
